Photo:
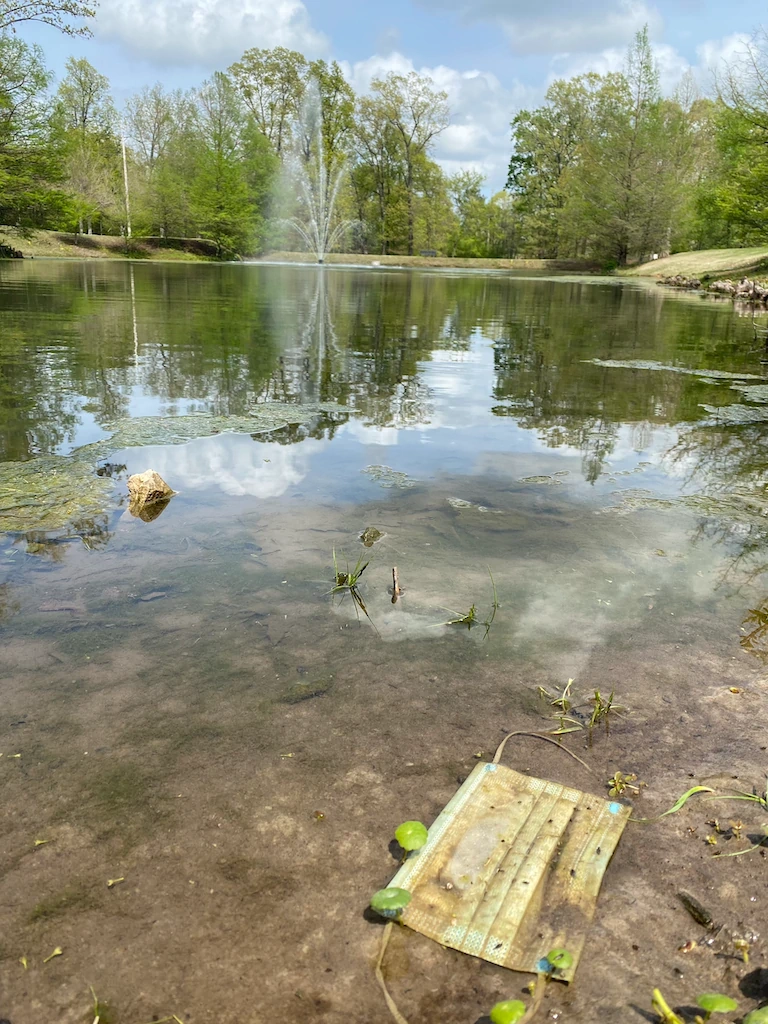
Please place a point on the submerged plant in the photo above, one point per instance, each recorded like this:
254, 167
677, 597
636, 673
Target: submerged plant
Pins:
508, 1012
569, 714
602, 709
715, 1002
677, 805
619, 783
411, 835
391, 902
346, 582
471, 618
102, 1013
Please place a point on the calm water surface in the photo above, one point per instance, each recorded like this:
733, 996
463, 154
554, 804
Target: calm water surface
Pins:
597, 444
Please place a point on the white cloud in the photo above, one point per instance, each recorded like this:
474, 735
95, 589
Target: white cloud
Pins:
235, 464
208, 32
478, 136
553, 26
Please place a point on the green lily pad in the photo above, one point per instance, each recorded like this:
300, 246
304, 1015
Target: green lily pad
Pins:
411, 835
390, 902
508, 1012
715, 1002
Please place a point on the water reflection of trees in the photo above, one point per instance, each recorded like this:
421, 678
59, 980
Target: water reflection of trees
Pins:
222, 339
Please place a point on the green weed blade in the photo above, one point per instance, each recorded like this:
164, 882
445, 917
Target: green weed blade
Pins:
678, 804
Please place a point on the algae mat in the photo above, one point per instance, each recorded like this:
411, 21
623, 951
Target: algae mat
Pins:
512, 869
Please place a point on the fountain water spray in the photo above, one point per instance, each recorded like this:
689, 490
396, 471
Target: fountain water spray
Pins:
318, 179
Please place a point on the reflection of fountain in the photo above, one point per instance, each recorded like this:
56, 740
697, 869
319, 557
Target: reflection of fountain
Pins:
318, 179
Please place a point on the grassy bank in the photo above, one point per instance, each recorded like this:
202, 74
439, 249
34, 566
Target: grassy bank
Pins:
371, 259
59, 245
708, 263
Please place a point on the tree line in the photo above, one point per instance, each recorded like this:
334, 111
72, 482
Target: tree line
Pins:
210, 162
611, 169
606, 169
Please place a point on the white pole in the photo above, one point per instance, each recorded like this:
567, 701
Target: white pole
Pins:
125, 183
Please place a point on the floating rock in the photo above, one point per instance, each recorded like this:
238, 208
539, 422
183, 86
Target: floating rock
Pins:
149, 495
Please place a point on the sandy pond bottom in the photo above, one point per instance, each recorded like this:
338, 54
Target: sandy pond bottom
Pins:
152, 690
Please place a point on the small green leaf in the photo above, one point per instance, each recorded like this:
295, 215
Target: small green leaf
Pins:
715, 1002
390, 902
508, 1012
559, 959
411, 835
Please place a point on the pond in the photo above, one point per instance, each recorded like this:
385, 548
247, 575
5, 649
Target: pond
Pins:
205, 752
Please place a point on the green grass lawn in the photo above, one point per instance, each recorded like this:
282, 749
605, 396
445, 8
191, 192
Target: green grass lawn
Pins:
707, 262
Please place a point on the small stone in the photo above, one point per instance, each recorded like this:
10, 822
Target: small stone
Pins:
154, 596
149, 495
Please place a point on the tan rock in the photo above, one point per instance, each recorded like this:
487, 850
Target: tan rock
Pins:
149, 495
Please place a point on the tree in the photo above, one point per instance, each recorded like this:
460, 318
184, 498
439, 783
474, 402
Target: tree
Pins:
64, 15
29, 170
547, 144
417, 113
86, 119
84, 101
150, 116
271, 83
735, 195
219, 192
337, 106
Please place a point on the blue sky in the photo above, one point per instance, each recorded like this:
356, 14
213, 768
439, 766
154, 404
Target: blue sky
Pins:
492, 56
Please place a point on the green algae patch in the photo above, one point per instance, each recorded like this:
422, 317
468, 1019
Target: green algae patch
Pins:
145, 431
651, 364
51, 493
387, 477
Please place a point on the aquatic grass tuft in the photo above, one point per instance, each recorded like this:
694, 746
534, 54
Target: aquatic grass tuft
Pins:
471, 618
347, 582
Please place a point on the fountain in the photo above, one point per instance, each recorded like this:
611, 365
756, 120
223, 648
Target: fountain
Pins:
318, 179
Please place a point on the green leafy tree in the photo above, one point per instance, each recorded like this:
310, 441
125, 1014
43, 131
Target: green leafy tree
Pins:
416, 113
29, 168
86, 121
271, 84
219, 192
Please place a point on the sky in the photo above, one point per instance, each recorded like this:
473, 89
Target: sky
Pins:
493, 57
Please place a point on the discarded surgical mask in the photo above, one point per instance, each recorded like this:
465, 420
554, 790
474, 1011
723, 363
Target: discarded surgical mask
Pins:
512, 869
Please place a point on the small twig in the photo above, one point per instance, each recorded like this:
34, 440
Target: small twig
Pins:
396, 588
